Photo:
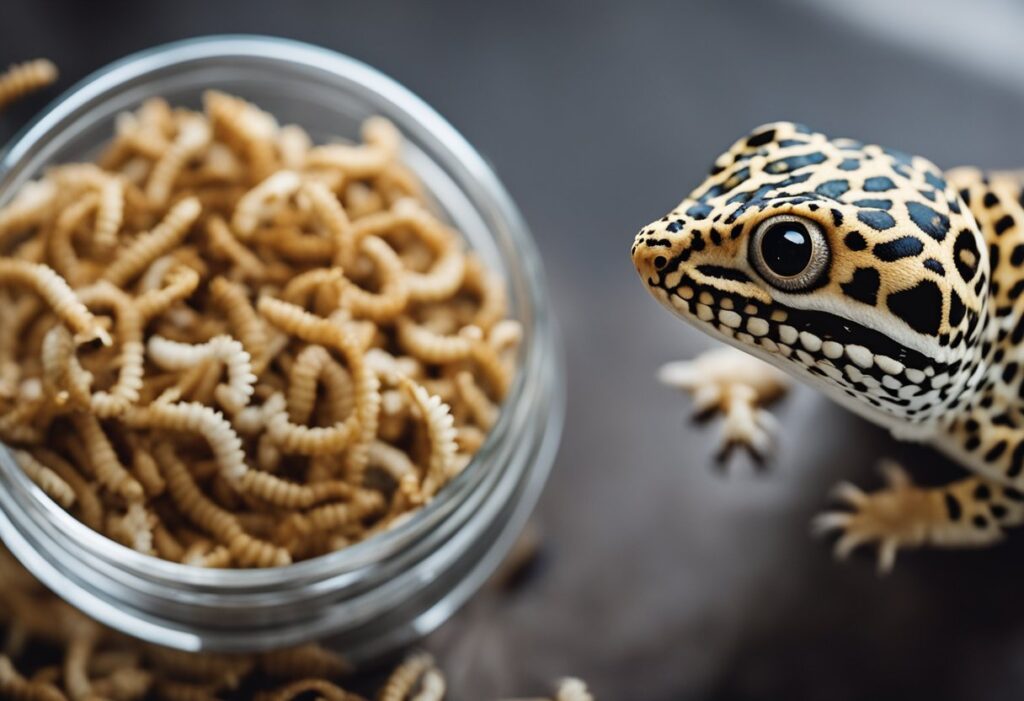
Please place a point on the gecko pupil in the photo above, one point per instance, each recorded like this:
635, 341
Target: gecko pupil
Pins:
786, 248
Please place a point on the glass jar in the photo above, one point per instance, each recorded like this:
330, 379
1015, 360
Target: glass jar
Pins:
396, 586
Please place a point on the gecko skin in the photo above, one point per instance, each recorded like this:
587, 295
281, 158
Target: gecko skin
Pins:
893, 287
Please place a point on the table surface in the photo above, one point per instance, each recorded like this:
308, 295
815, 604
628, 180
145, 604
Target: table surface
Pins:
660, 579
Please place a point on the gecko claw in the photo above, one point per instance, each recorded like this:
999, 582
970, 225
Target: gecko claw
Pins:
890, 518
736, 386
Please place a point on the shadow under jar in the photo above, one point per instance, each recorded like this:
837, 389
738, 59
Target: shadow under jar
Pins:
399, 585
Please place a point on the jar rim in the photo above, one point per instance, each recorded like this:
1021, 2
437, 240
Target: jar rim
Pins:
288, 51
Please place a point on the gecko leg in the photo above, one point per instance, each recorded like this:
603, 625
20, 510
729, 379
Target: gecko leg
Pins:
729, 382
972, 512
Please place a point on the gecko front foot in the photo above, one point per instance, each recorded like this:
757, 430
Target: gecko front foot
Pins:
736, 385
968, 513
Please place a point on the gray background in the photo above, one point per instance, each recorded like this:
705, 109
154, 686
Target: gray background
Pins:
660, 579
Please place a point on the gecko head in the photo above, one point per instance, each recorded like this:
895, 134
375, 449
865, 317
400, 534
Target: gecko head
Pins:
850, 265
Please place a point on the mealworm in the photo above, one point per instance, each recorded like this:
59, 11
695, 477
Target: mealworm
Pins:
46, 479
172, 355
248, 551
405, 678
181, 281
87, 503
437, 419
103, 460
195, 418
23, 78
55, 291
263, 200
150, 246
193, 137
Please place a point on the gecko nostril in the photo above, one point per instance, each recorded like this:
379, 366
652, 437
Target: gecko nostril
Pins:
659, 262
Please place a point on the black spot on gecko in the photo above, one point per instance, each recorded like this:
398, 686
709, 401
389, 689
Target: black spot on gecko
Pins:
920, 307
965, 255
761, 138
953, 507
855, 241
876, 219
957, 309
935, 181
1016, 465
879, 183
928, 220
1017, 255
786, 165
903, 247
699, 211
833, 188
874, 203
1003, 223
863, 286
995, 452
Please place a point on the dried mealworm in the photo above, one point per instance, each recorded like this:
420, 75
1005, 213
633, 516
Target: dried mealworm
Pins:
248, 551
59, 245
195, 418
223, 242
150, 246
172, 355
437, 418
393, 293
24, 78
57, 294
46, 479
483, 410
181, 282
406, 676
103, 460
63, 371
262, 201
109, 214
193, 137
89, 508
333, 218
430, 346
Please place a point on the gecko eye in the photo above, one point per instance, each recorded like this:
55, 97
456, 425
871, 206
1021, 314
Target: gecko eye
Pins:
789, 252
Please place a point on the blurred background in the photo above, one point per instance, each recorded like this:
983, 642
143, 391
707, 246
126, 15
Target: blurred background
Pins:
659, 578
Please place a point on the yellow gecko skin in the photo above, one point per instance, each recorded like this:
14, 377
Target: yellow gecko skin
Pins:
891, 286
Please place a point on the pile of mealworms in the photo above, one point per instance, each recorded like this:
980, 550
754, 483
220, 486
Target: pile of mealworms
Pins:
229, 347
51, 652
222, 341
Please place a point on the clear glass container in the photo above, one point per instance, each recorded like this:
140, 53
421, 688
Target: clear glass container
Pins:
399, 585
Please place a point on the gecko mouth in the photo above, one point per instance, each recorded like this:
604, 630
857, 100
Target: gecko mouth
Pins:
863, 362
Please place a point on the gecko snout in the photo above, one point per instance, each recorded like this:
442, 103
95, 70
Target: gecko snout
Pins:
650, 259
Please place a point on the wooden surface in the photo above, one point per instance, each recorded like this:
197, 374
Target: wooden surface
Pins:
659, 578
